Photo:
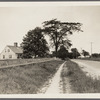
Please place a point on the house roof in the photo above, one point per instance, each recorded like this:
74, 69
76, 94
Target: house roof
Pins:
16, 49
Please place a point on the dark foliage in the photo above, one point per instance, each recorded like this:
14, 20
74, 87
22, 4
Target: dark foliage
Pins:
85, 53
62, 53
75, 53
34, 44
96, 55
58, 32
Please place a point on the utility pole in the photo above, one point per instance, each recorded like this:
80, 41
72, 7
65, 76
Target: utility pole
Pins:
81, 50
91, 49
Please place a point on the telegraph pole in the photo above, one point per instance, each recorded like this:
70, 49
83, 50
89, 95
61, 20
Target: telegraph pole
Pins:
91, 49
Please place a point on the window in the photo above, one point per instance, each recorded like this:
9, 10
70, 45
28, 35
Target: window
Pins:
19, 56
10, 56
3, 56
8, 50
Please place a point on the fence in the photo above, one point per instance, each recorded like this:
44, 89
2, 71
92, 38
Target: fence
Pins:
17, 62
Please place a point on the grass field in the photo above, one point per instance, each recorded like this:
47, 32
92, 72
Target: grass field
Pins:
27, 79
80, 83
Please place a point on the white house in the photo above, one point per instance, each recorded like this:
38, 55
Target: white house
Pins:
11, 52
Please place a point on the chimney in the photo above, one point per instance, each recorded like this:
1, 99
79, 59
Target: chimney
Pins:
15, 44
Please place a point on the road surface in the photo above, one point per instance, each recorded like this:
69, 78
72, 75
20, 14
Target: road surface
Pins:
91, 68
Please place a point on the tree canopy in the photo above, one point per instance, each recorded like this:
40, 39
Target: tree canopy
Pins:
58, 32
62, 53
75, 52
34, 44
85, 53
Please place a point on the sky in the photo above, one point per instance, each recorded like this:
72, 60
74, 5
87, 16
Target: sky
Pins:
15, 22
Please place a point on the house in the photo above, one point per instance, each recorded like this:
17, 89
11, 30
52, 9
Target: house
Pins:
11, 52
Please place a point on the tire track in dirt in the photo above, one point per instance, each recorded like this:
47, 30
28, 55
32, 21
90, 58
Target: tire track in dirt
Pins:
54, 87
55, 84
65, 81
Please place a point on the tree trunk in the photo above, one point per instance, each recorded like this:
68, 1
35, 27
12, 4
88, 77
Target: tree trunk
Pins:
56, 49
56, 44
35, 56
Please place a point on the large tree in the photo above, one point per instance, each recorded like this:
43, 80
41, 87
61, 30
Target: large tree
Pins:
58, 32
34, 44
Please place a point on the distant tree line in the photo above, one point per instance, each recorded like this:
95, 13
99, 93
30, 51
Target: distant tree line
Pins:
35, 45
63, 53
96, 55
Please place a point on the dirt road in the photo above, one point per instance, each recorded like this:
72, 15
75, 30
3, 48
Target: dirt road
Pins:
91, 68
54, 86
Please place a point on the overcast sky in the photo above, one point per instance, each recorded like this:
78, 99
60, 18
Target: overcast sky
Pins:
15, 22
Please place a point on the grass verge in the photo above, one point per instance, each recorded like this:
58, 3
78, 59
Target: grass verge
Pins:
80, 83
93, 59
27, 79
